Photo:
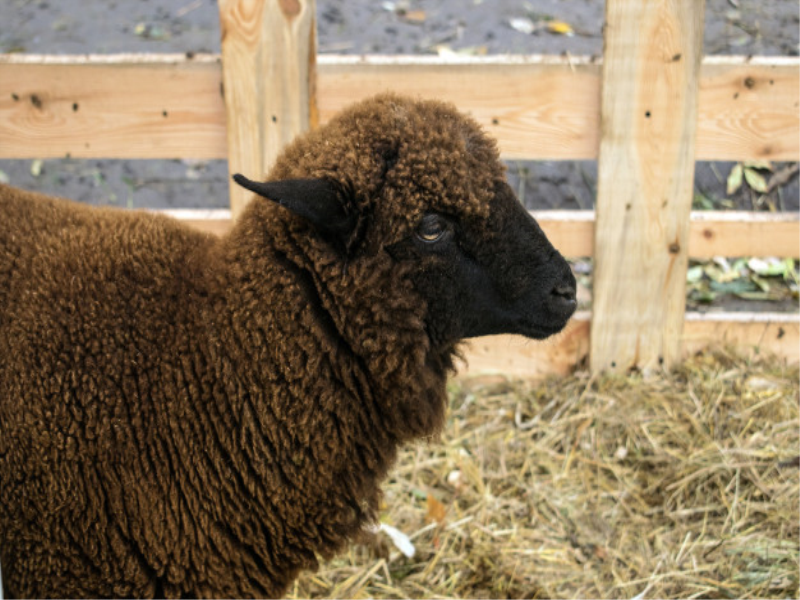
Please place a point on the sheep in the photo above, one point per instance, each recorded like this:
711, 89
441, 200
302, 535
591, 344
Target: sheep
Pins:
182, 414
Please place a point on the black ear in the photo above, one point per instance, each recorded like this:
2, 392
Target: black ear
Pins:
319, 201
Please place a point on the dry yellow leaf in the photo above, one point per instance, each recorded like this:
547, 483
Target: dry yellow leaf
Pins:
560, 27
436, 510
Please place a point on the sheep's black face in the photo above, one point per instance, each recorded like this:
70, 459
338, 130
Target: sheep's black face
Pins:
488, 276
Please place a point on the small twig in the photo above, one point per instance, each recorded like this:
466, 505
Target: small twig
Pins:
188, 8
792, 462
783, 176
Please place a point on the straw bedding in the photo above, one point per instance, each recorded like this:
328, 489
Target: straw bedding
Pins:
679, 485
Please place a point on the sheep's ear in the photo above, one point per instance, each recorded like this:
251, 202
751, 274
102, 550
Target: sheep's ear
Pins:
316, 200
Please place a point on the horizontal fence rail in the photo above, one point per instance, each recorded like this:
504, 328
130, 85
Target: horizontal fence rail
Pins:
171, 106
778, 333
711, 233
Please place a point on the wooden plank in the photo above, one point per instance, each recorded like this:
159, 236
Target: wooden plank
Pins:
645, 181
765, 333
122, 107
711, 233
730, 234
537, 107
748, 104
522, 357
570, 231
740, 234
268, 55
757, 333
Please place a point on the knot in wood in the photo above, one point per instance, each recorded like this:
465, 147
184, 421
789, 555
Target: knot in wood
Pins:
290, 8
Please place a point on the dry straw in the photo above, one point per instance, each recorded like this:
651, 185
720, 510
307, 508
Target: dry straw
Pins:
682, 485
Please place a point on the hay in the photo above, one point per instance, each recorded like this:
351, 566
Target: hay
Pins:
682, 485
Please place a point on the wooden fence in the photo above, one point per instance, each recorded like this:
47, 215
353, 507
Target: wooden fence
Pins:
650, 108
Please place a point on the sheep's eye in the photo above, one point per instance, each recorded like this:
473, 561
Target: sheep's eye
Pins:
432, 228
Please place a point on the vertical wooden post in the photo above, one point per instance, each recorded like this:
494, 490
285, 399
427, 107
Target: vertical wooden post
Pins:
269, 70
651, 65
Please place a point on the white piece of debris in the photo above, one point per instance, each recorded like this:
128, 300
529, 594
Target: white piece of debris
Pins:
523, 25
401, 541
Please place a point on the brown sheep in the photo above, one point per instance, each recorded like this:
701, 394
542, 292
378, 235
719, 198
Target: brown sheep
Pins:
188, 415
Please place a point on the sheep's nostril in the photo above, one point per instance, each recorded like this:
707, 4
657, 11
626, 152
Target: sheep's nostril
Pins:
566, 292
563, 298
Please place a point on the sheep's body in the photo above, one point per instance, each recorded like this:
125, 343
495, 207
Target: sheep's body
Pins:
186, 415
139, 411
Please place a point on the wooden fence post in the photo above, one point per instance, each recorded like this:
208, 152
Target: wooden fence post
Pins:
651, 68
269, 69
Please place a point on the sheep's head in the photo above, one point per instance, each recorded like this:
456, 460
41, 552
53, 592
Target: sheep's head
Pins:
422, 184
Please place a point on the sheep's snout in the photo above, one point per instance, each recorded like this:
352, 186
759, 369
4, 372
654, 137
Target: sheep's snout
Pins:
562, 299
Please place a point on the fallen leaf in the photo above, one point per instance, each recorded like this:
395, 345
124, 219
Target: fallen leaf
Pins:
735, 179
560, 28
36, 167
721, 273
436, 510
4, 177
737, 287
768, 267
694, 274
755, 180
150, 32
761, 283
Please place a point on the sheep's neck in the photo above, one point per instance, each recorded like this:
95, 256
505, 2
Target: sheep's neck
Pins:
325, 389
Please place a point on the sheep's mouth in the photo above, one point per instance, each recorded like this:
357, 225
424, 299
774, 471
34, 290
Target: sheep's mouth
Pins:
540, 332
520, 326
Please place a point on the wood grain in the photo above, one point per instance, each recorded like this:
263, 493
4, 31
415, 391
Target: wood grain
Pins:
741, 234
748, 104
522, 357
645, 181
125, 108
755, 333
711, 233
537, 107
268, 55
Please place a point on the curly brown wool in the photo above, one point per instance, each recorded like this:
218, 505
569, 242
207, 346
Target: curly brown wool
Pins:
182, 415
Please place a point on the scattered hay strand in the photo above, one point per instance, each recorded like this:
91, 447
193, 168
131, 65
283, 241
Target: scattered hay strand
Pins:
682, 485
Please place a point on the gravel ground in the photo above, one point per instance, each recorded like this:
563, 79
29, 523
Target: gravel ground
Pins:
757, 27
